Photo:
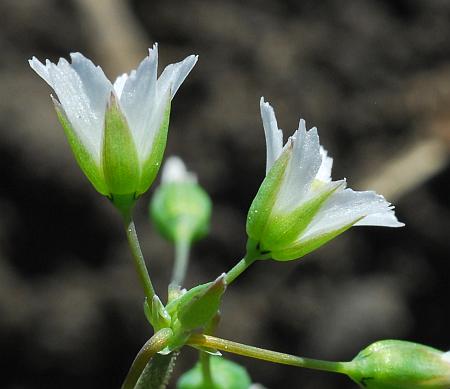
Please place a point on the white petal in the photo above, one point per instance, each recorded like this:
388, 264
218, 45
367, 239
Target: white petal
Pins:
174, 75
324, 173
274, 136
347, 206
41, 69
302, 168
153, 125
382, 219
166, 87
174, 170
138, 97
119, 84
82, 90
95, 83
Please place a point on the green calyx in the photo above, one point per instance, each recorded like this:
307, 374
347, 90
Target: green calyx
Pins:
225, 374
275, 233
283, 229
396, 364
262, 205
120, 174
181, 211
83, 157
120, 159
300, 248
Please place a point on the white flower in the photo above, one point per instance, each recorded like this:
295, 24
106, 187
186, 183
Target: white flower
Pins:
117, 131
298, 207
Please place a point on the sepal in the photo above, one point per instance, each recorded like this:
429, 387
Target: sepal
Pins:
201, 308
83, 156
119, 155
262, 204
157, 314
285, 227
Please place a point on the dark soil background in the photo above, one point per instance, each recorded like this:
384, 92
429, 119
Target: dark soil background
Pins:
374, 76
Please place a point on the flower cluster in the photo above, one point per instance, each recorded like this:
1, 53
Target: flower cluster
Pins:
118, 132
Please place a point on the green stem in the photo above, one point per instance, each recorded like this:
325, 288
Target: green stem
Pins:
205, 358
182, 247
156, 343
138, 259
206, 370
266, 355
241, 266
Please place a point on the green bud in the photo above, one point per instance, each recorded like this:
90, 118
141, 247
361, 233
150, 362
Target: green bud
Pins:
180, 208
225, 375
201, 307
396, 364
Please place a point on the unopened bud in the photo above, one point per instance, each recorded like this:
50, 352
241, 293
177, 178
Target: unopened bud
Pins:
180, 208
396, 364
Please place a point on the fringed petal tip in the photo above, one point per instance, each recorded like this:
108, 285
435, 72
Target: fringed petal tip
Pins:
274, 136
324, 173
381, 214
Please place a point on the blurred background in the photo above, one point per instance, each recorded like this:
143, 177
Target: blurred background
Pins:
373, 76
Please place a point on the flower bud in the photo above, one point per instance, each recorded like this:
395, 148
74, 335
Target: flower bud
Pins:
225, 374
180, 208
200, 308
396, 364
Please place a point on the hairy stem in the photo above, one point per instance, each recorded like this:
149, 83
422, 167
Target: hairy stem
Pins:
157, 373
156, 343
266, 355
